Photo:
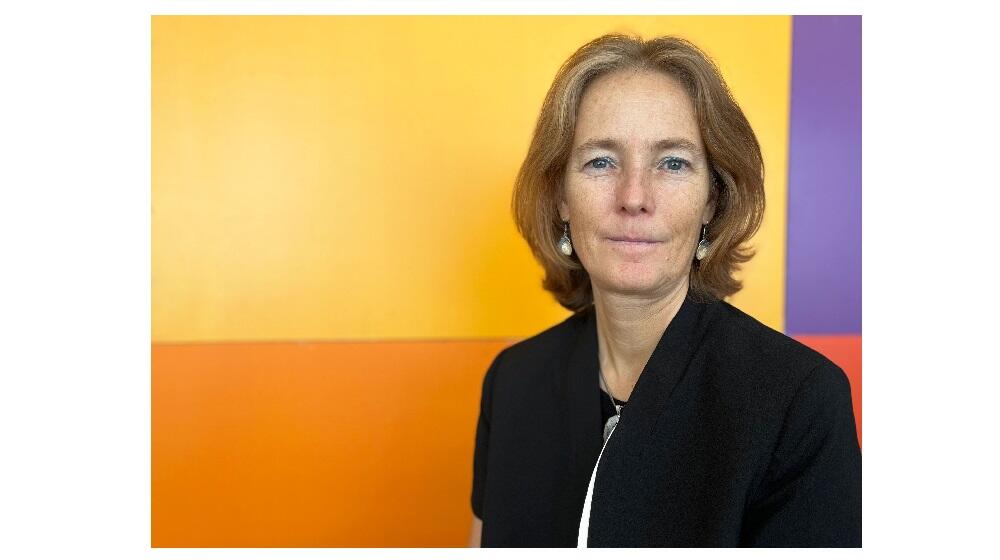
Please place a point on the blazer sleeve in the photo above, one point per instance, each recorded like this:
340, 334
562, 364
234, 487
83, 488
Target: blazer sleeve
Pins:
483, 438
810, 494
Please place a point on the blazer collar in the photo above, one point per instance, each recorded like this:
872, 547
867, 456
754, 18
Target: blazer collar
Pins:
582, 395
666, 367
663, 371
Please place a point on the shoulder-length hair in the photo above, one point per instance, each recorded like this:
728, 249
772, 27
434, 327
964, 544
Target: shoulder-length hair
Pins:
734, 158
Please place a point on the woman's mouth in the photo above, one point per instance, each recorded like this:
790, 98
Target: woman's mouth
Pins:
627, 239
632, 244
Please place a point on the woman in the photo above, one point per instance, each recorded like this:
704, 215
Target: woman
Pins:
658, 414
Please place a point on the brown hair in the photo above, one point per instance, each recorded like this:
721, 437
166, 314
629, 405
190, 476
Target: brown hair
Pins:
733, 152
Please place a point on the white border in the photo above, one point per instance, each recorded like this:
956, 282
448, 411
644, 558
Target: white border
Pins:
501, 7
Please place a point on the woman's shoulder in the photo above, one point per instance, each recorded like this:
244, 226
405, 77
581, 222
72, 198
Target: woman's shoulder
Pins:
790, 387
541, 349
761, 355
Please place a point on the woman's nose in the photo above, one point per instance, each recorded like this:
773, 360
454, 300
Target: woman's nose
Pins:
634, 193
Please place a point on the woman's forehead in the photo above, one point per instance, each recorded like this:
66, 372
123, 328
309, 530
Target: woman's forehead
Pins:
635, 86
636, 108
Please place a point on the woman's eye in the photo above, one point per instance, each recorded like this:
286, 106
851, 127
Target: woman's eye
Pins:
600, 163
674, 164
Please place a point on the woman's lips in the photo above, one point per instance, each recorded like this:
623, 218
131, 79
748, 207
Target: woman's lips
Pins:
632, 240
630, 243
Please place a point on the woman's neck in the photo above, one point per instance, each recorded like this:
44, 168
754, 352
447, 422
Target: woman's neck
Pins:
628, 329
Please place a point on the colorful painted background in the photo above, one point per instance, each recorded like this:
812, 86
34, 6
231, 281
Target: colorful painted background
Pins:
335, 265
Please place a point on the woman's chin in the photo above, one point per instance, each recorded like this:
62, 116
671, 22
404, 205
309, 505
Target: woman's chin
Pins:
632, 279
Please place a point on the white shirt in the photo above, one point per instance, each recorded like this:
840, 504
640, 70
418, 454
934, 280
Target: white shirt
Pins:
581, 537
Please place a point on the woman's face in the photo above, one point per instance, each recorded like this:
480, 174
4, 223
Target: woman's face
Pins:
636, 188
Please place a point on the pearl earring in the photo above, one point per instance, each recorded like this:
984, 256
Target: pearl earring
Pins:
704, 245
565, 245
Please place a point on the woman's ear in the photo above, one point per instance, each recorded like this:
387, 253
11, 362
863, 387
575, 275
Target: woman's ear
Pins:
563, 210
709, 212
713, 197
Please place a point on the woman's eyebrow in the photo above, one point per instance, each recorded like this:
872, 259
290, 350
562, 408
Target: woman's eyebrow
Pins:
613, 144
677, 143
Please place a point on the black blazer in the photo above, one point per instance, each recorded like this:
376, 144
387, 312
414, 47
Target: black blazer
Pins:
734, 435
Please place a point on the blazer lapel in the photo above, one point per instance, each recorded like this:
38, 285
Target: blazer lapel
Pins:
581, 395
578, 389
664, 370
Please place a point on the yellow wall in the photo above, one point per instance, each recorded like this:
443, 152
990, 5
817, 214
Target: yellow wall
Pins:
349, 177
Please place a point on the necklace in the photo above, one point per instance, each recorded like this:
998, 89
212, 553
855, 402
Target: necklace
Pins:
613, 421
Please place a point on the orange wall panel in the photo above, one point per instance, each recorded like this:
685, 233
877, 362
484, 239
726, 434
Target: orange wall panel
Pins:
314, 444
336, 444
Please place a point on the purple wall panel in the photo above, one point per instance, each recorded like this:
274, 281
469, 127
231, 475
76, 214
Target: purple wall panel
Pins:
823, 284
